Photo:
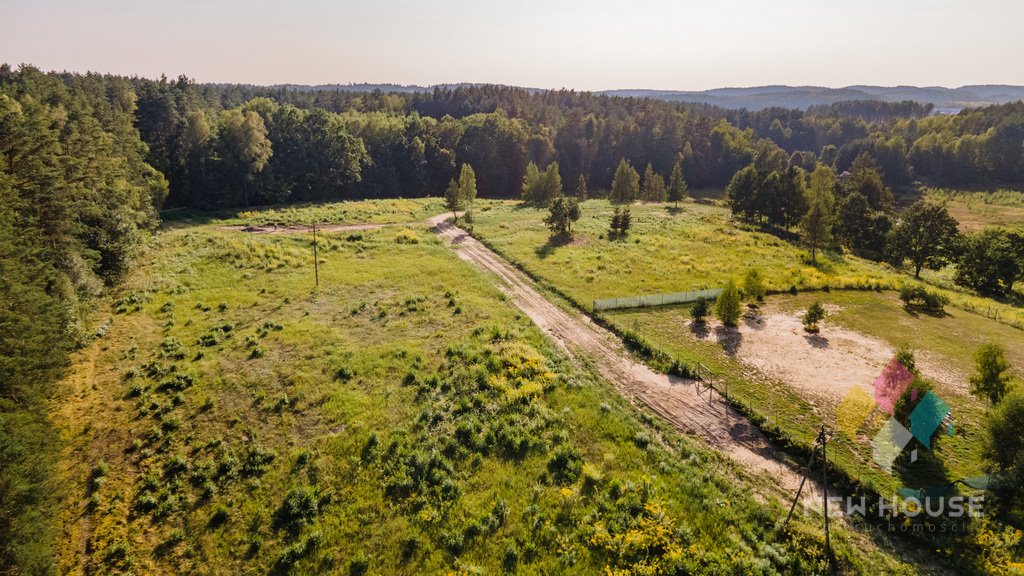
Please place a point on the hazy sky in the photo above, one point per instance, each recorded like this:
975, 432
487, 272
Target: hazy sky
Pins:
586, 45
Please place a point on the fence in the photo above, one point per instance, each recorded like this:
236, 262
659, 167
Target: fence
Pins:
655, 299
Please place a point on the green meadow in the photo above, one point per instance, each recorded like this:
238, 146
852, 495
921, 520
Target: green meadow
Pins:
229, 417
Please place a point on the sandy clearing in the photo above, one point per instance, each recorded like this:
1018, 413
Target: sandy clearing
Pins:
822, 367
676, 400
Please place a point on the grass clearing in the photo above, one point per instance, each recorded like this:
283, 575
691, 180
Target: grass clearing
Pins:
694, 247
977, 210
401, 419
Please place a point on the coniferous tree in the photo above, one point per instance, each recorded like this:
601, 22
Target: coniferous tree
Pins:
677, 189
653, 186
581, 188
625, 184
562, 213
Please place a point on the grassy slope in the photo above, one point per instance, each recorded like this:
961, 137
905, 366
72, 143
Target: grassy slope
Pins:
170, 474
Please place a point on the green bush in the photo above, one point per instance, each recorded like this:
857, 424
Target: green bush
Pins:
914, 295
815, 313
300, 507
727, 305
700, 309
566, 465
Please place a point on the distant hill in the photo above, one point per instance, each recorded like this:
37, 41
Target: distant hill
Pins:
945, 100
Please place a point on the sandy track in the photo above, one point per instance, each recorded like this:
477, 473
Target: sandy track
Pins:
677, 400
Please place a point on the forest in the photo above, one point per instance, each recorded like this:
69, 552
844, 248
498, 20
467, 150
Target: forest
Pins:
90, 162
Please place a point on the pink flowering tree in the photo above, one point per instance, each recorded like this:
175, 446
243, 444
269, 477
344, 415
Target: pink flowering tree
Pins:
891, 384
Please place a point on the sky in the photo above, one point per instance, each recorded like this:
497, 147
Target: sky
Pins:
582, 45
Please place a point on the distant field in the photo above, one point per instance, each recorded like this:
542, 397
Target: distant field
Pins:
976, 210
693, 248
401, 419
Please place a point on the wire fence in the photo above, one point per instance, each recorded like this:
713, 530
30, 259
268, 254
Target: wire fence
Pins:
655, 299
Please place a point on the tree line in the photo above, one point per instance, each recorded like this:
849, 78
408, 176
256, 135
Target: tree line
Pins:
855, 210
228, 146
77, 198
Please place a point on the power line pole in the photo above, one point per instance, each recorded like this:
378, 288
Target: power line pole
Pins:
821, 441
316, 260
824, 488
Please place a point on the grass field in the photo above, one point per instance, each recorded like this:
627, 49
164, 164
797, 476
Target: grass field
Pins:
944, 347
976, 210
403, 418
695, 247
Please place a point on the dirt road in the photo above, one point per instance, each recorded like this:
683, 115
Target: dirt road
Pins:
677, 400
297, 229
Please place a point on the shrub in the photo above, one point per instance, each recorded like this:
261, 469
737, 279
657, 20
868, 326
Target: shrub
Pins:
754, 285
727, 305
565, 465
409, 545
300, 507
360, 565
257, 460
344, 373
510, 561
220, 517
914, 295
172, 348
406, 237
815, 313
700, 309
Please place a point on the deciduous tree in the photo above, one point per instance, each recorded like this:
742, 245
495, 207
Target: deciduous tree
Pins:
926, 235
816, 224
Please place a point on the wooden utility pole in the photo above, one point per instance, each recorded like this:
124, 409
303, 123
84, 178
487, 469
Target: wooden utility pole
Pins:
316, 260
822, 441
824, 489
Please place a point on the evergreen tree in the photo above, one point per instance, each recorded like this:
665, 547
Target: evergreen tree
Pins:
621, 222
562, 213
625, 184
677, 189
742, 193
581, 188
813, 316
653, 187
